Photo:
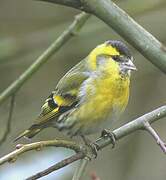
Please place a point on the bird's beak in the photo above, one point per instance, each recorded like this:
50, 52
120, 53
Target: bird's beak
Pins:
129, 65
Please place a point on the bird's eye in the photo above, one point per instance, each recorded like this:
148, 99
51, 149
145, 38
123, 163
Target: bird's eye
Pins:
118, 58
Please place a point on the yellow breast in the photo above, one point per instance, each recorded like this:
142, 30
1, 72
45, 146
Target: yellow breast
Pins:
106, 96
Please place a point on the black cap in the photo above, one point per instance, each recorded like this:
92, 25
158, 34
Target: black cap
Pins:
120, 46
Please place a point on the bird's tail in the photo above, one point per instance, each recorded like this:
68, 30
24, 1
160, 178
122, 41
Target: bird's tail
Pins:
29, 133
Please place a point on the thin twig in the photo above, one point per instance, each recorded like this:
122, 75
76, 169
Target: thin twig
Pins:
80, 169
72, 30
154, 134
20, 148
8, 125
57, 166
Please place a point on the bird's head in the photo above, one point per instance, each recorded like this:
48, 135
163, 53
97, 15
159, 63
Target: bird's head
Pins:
114, 55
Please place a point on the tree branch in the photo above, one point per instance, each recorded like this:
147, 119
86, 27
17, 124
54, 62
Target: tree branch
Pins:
20, 148
8, 125
72, 30
154, 134
80, 169
137, 124
57, 166
126, 27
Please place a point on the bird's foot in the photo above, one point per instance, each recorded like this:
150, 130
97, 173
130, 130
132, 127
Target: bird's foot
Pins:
93, 146
111, 135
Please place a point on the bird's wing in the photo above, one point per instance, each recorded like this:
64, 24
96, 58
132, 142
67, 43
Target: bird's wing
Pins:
65, 97
71, 81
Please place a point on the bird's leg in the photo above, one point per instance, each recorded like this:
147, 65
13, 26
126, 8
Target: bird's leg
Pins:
90, 144
111, 135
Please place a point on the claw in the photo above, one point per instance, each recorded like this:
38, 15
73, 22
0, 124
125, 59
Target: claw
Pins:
111, 135
93, 146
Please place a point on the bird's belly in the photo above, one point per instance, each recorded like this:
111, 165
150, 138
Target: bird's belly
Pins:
95, 117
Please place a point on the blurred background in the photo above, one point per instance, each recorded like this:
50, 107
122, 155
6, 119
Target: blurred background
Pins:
27, 28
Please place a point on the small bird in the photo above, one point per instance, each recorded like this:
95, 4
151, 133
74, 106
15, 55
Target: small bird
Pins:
90, 96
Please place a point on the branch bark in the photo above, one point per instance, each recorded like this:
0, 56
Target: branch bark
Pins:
126, 27
72, 30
